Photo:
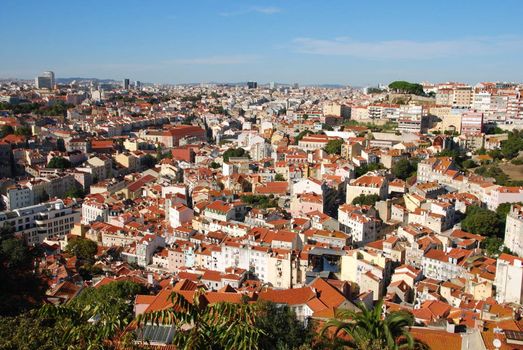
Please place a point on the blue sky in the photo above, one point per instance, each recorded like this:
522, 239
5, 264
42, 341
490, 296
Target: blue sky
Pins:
330, 41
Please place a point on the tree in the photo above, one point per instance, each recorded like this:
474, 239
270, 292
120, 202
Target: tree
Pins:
511, 147
279, 177
481, 221
233, 152
334, 146
95, 319
407, 88
24, 131
149, 161
403, 169
21, 287
199, 325
362, 170
369, 330
59, 163
366, 199
492, 245
215, 165
280, 328
82, 248
302, 135
469, 163
6, 130
75, 192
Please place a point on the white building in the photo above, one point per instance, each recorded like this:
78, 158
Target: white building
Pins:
514, 230
362, 229
18, 197
179, 214
443, 266
38, 222
509, 279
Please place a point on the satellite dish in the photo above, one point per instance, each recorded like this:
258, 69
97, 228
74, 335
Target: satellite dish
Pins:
496, 343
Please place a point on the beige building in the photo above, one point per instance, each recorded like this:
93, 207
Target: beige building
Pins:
367, 185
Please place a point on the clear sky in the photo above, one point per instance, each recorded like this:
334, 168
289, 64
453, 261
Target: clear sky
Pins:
329, 41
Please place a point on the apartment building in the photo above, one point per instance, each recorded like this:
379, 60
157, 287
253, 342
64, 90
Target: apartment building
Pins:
509, 279
442, 265
367, 185
514, 230
38, 222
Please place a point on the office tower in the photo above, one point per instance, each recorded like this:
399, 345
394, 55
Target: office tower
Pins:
45, 80
126, 84
138, 84
272, 85
252, 85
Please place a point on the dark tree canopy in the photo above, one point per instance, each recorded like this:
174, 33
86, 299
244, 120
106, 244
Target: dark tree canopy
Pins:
481, 221
149, 161
403, 169
59, 163
366, 199
334, 146
6, 130
234, 152
281, 329
82, 248
407, 88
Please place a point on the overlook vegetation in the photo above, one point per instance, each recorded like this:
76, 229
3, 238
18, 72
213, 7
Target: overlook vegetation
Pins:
405, 87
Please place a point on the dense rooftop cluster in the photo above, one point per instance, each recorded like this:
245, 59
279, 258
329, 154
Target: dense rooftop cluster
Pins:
320, 199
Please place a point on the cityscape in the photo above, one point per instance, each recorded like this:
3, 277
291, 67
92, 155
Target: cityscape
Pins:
328, 197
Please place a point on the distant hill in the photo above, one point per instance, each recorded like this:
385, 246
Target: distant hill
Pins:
69, 80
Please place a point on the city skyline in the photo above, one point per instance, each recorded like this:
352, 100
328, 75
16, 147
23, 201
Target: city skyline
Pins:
337, 43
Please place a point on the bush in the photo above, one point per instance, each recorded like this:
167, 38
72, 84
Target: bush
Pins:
363, 199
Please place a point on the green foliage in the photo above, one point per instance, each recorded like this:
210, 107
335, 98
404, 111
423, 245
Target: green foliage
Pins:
495, 130
59, 163
334, 146
302, 135
494, 172
90, 321
404, 169
189, 119
481, 221
407, 88
21, 287
279, 177
366, 199
218, 110
495, 154
24, 131
367, 329
149, 161
215, 165
6, 130
469, 163
234, 152
326, 127
218, 326
280, 328
57, 109
113, 296
75, 192
260, 201
362, 170
492, 246
517, 161
191, 98
82, 248
511, 147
